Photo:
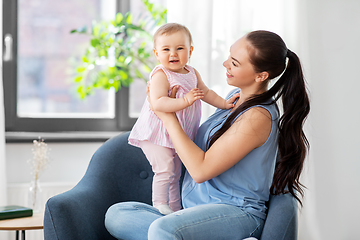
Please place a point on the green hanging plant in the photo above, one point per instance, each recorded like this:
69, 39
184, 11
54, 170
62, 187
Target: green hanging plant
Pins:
118, 52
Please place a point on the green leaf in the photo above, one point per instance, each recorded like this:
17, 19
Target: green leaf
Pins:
119, 18
123, 75
96, 29
82, 29
129, 19
116, 85
81, 92
103, 34
78, 78
88, 90
80, 69
134, 27
112, 70
85, 59
120, 41
121, 59
94, 42
141, 51
126, 82
102, 53
104, 80
97, 84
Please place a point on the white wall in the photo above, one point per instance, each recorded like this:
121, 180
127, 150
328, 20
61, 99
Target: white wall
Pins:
68, 161
331, 207
332, 174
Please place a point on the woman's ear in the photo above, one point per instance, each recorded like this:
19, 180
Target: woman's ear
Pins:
262, 76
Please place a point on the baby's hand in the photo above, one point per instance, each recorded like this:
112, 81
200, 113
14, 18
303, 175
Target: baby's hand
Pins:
230, 102
193, 95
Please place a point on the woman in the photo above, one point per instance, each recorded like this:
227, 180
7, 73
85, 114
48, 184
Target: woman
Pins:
239, 156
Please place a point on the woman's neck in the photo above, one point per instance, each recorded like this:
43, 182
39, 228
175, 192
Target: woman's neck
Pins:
245, 94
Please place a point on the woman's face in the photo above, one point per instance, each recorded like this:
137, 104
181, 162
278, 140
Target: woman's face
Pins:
239, 71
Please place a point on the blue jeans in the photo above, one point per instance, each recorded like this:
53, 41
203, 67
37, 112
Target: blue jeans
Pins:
139, 221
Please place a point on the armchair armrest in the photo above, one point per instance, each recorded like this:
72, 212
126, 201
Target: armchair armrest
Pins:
281, 221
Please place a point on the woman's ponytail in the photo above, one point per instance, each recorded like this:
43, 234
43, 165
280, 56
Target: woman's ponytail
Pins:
293, 144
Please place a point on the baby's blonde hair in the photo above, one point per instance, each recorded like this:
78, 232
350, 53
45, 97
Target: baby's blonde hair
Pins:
170, 28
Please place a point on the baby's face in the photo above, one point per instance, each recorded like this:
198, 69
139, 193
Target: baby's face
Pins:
173, 51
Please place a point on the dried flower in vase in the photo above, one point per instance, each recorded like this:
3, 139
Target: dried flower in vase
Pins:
40, 157
38, 163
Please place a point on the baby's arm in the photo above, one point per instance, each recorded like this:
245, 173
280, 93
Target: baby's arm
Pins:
162, 102
212, 97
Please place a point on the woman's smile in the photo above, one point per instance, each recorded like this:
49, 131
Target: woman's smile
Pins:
228, 75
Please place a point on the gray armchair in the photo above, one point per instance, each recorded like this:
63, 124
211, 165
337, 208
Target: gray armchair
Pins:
119, 172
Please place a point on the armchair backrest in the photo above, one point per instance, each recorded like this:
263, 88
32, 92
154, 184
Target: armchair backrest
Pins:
122, 169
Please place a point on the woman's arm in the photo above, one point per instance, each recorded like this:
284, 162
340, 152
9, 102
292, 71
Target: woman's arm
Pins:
212, 97
249, 131
160, 100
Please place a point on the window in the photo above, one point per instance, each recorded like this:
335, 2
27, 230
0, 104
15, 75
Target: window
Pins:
37, 53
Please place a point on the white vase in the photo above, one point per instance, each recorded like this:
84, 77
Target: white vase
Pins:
35, 196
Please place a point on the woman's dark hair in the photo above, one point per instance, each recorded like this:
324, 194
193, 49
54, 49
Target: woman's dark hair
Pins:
267, 53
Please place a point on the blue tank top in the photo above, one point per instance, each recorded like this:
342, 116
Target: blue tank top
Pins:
246, 184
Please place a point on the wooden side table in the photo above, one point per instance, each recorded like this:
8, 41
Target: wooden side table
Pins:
21, 224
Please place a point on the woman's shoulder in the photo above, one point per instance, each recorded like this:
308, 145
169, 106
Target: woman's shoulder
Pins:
255, 113
255, 123
269, 111
271, 107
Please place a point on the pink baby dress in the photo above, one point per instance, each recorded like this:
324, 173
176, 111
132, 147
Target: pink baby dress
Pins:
149, 127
